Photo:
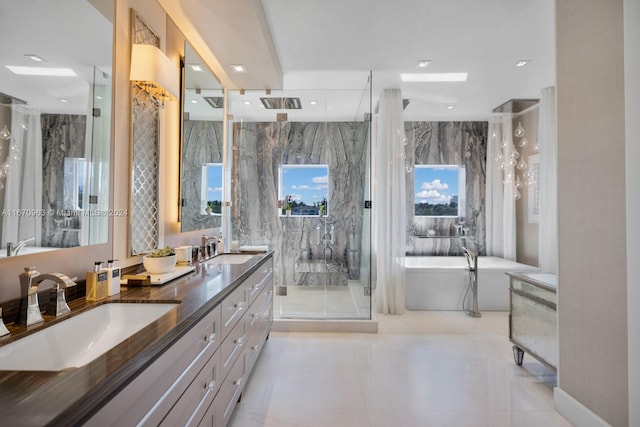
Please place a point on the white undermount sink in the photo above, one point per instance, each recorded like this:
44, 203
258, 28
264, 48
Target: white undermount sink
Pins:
76, 341
230, 259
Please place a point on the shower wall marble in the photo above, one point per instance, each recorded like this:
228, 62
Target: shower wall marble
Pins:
63, 136
258, 151
202, 143
450, 143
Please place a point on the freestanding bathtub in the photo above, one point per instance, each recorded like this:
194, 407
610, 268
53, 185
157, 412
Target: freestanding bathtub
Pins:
440, 282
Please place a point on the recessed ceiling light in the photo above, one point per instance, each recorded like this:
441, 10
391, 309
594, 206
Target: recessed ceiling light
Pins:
522, 62
194, 101
433, 77
196, 67
42, 71
64, 100
423, 63
33, 57
98, 97
239, 68
313, 102
450, 107
246, 102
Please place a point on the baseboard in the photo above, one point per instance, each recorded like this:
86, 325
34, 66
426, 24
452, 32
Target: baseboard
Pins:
311, 325
574, 411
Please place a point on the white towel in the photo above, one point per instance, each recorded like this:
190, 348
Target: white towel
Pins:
254, 248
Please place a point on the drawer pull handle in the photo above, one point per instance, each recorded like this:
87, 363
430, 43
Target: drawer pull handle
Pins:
210, 338
238, 382
239, 305
270, 293
210, 385
254, 348
239, 341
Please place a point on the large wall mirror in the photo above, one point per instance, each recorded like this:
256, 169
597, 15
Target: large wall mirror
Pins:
55, 121
202, 143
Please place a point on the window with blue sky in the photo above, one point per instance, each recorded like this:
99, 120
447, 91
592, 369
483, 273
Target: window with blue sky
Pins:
211, 189
439, 190
304, 189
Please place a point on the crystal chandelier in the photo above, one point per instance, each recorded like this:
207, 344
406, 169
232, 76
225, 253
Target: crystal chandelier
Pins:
515, 170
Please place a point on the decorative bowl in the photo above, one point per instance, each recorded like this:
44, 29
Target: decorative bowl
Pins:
159, 265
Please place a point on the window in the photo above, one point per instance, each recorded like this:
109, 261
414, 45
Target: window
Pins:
75, 174
211, 190
303, 189
439, 191
534, 189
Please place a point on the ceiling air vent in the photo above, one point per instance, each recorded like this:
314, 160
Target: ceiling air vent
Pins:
281, 103
214, 101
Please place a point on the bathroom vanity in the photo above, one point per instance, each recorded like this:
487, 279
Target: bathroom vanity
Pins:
533, 317
188, 367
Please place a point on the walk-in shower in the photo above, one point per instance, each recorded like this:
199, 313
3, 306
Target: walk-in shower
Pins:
300, 176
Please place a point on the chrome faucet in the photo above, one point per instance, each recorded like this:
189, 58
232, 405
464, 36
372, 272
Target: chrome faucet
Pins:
13, 250
211, 251
29, 312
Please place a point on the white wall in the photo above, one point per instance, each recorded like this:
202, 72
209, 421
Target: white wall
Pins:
592, 291
632, 125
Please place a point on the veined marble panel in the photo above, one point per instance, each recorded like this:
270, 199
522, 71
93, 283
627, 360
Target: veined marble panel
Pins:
259, 149
202, 143
63, 136
450, 143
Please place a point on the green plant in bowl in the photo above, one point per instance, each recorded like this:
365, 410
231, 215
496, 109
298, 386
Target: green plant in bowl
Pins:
167, 251
160, 261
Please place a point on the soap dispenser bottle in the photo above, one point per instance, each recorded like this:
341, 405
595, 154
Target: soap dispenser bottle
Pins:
113, 277
97, 283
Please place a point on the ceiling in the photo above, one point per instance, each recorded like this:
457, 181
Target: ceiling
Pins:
324, 46
325, 51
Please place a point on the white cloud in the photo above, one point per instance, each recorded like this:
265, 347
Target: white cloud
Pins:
214, 189
433, 197
436, 184
320, 179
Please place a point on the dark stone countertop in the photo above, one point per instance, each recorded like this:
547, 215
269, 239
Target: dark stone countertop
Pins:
71, 396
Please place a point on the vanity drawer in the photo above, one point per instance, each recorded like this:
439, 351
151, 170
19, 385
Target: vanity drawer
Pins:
192, 405
257, 281
232, 309
258, 335
229, 393
232, 346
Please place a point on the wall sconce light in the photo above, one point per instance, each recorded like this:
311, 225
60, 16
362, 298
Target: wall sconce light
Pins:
154, 73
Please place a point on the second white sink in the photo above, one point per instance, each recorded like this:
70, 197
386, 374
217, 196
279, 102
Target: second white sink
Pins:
76, 341
230, 259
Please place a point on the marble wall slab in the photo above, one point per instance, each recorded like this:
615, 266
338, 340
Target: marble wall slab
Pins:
450, 143
259, 149
63, 136
202, 142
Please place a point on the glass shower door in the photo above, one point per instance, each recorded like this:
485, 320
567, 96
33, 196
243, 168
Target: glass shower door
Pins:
300, 177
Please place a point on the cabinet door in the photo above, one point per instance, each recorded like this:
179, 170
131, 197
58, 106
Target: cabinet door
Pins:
192, 405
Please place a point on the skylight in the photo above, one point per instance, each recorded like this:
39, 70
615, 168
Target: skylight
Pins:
433, 77
42, 71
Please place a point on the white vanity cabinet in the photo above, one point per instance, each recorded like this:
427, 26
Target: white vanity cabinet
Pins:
198, 381
252, 331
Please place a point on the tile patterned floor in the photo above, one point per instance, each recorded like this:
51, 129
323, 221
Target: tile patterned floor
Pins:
421, 369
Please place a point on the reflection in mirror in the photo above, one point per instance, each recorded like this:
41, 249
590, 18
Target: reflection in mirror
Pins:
55, 120
201, 181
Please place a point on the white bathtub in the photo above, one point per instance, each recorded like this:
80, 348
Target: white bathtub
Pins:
440, 282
